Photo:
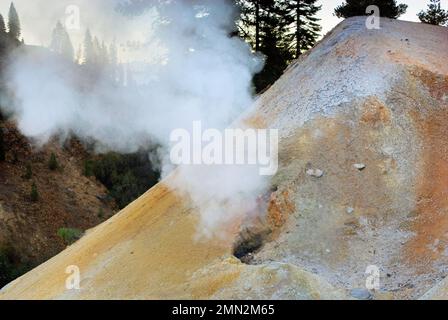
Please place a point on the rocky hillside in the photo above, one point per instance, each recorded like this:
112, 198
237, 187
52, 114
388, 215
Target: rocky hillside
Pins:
362, 182
40, 196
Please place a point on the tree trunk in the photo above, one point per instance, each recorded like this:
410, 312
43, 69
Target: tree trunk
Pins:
298, 31
257, 25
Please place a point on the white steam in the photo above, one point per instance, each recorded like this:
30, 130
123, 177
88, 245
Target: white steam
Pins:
205, 75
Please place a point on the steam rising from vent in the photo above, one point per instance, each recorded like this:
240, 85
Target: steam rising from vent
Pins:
202, 74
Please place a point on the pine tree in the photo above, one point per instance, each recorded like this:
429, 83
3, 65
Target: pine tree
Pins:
304, 23
28, 172
61, 42
53, 162
250, 25
276, 60
2, 26
258, 16
3, 39
434, 15
388, 8
89, 52
34, 194
78, 57
13, 23
264, 24
55, 44
97, 51
67, 49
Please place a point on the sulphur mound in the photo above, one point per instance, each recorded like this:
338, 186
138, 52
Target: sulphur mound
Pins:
368, 110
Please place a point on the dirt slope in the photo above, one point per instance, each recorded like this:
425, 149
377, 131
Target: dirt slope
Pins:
148, 251
67, 199
377, 99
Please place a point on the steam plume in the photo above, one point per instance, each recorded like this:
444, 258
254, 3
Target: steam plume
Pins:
202, 74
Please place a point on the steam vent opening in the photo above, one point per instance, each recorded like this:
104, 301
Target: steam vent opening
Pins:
247, 245
251, 239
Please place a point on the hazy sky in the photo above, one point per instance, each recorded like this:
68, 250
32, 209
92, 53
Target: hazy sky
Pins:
329, 20
39, 16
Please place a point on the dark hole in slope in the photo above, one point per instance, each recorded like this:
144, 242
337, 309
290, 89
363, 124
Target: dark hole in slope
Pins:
248, 244
251, 239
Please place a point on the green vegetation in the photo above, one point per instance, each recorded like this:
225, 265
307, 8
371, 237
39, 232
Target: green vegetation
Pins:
29, 172
9, 33
280, 30
61, 43
2, 26
388, 8
101, 213
125, 176
13, 23
434, 14
53, 162
88, 168
34, 194
70, 235
10, 266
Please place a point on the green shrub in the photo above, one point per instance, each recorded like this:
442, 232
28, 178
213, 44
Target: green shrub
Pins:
53, 162
28, 172
70, 235
10, 266
88, 168
34, 194
125, 176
